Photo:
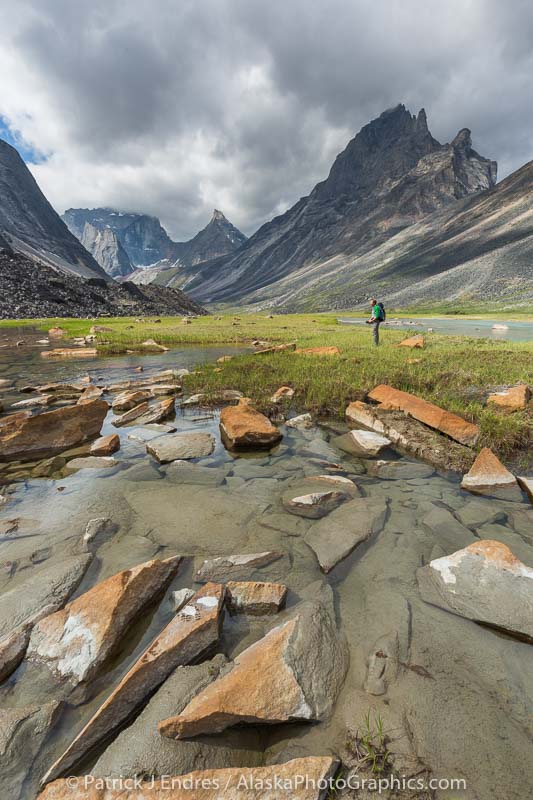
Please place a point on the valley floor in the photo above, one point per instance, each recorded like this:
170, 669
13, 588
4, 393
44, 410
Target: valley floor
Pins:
456, 372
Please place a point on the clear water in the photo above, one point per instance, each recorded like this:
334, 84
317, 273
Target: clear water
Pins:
457, 682
516, 331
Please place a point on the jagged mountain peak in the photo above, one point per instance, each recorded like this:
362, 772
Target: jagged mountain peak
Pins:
218, 216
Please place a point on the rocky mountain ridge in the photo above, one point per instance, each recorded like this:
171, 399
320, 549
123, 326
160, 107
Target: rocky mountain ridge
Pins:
143, 241
31, 226
391, 176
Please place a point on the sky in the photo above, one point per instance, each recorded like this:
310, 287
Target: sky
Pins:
176, 107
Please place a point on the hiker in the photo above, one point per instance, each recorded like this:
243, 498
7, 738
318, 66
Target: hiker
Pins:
377, 317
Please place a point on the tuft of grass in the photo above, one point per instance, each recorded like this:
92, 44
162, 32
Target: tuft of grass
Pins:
370, 745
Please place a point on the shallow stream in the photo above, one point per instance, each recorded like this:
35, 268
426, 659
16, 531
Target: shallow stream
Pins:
460, 705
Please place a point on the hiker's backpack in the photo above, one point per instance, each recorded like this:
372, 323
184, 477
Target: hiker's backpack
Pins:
383, 315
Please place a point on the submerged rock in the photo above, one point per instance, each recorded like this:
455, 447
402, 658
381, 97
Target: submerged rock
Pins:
488, 476
399, 470
244, 427
51, 432
186, 639
483, 582
299, 779
75, 641
141, 750
444, 421
255, 597
334, 538
177, 446
71, 352
314, 505
295, 672
90, 462
237, 567
45, 591
22, 733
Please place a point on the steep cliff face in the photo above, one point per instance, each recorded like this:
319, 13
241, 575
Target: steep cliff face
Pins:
145, 242
31, 226
107, 250
142, 237
391, 175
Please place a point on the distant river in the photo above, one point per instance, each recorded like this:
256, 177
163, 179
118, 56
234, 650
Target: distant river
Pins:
514, 332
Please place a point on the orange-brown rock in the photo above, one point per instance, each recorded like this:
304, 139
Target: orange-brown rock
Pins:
132, 414
127, 400
76, 640
319, 351
527, 485
295, 672
484, 582
444, 421
276, 348
52, 431
413, 341
283, 393
70, 352
158, 412
189, 635
255, 597
514, 398
489, 476
56, 332
242, 426
299, 779
105, 445
92, 392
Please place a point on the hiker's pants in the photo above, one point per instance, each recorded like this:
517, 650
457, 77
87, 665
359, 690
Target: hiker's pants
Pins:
375, 331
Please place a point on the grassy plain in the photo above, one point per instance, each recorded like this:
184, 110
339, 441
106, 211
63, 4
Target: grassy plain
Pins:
457, 373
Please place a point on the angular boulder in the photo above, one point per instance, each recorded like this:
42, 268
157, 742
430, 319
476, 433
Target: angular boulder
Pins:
364, 443
412, 436
90, 462
21, 607
514, 398
314, 505
132, 414
158, 412
483, 582
186, 639
238, 567
177, 446
302, 422
295, 672
299, 779
75, 641
527, 485
51, 432
450, 424
242, 426
90, 393
105, 445
334, 538
141, 750
488, 476
255, 597
127, 400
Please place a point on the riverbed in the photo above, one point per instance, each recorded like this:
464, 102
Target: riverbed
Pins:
460, 703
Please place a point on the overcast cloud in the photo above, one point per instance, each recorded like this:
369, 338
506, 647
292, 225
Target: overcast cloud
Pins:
174, 107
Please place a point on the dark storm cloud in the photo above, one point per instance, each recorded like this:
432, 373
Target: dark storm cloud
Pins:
176, 107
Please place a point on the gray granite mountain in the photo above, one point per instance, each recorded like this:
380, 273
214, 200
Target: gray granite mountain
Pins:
390, 176
31, 226
105, 246
146, 243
